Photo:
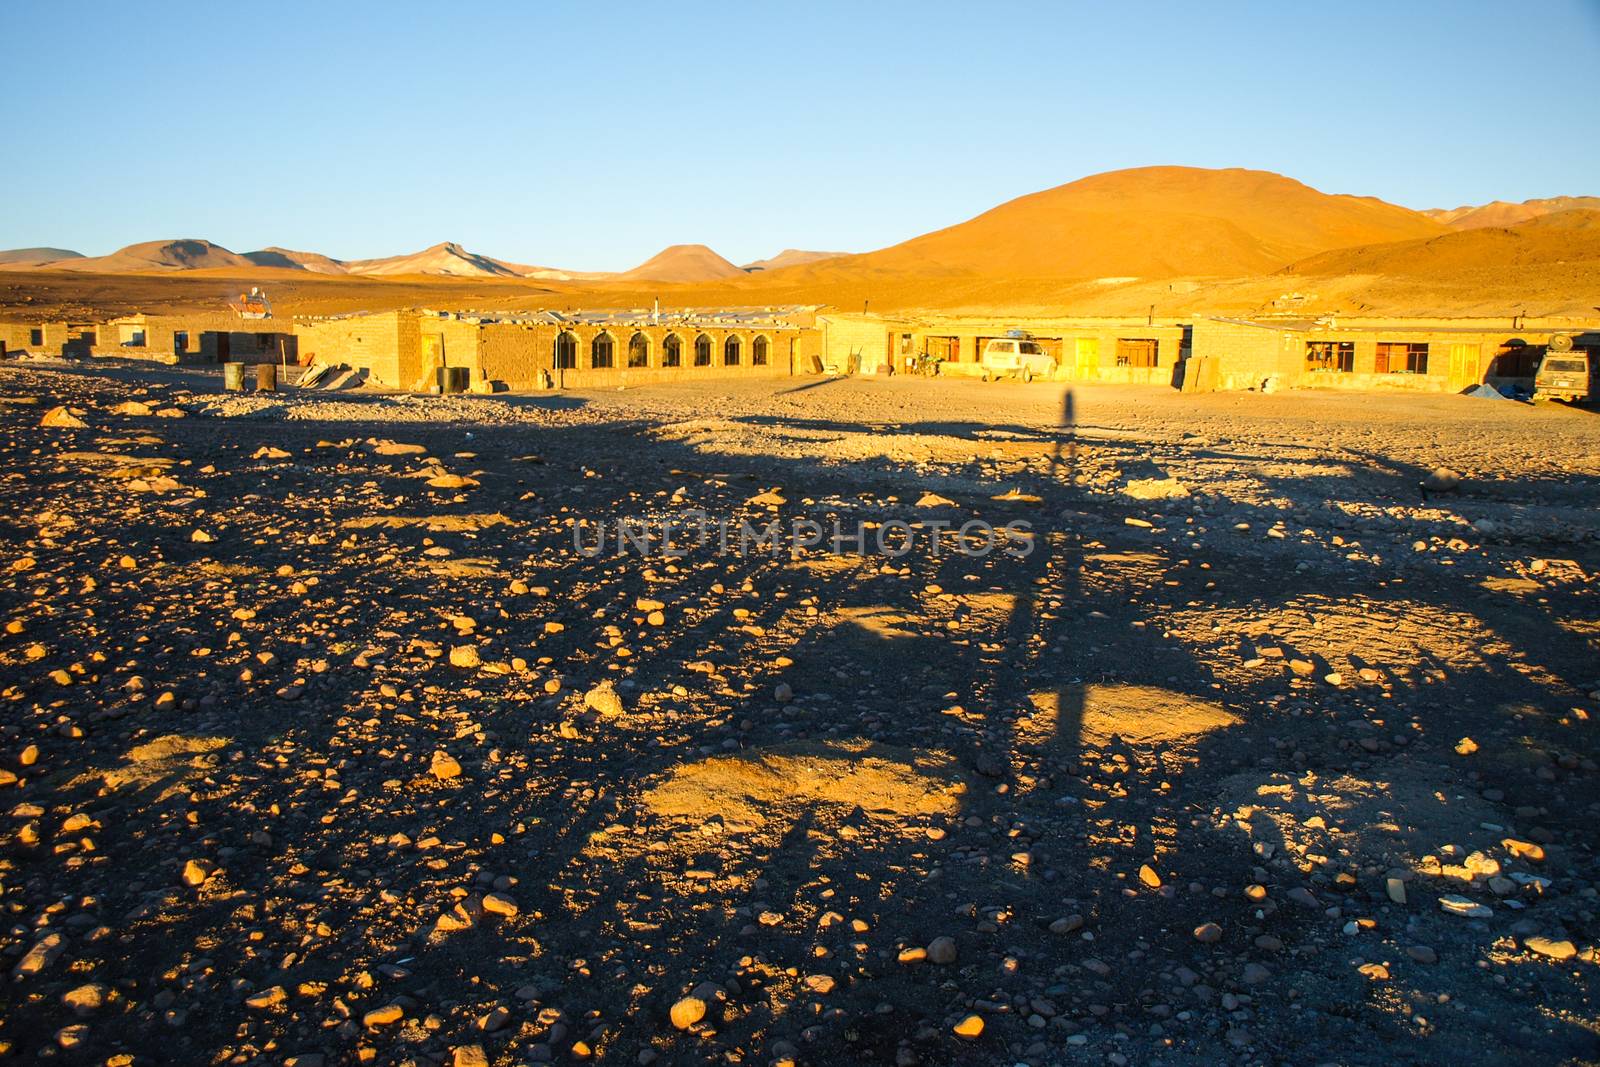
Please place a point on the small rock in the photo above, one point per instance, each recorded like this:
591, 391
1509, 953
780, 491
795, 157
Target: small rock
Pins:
85, 999
387, 1015
1556, 950
688, 1011
1456, 904
942, 950
195, 873
62, 419
445, 766
970, 1028
267, 998
500, 904
604, 700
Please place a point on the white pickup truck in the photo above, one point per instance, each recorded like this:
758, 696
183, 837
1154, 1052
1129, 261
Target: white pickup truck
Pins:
1015, 357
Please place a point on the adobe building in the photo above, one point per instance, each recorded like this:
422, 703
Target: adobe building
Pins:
428, 351
1136, 349
72, 339
418, 351
1428, 355
218, 337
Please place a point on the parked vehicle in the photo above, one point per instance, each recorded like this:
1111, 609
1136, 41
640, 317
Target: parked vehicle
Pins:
1566, 373
1015, 357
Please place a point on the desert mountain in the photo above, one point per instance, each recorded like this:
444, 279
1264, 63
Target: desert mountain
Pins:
446, 258
1150, 222
683, 263
33, 257
1505, 213
792, 257
1564, 242
289, 259
183, 254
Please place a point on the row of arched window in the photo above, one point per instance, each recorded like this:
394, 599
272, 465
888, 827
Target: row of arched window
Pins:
603, 351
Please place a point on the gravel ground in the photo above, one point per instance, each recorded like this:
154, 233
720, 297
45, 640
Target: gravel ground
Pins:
1259, 740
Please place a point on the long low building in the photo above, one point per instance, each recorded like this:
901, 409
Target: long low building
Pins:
1434, 355
203, 337
429, 351
420, 350
1137, 350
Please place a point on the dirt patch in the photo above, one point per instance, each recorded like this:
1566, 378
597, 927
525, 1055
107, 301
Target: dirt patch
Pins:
1133, 714
164, 766
431, 523
748, 790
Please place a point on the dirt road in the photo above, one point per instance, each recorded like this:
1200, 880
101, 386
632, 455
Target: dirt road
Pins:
323, 742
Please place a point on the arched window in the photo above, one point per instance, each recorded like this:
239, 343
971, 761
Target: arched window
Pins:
602, 352
638, 350
702, 351
758, 352
732, 349
671, 351
566, 351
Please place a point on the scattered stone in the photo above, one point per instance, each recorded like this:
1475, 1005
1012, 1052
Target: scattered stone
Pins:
267, 998
445, 766
970, 1027
500, 904
40, 956
688, 1010
197, 872
1464, 906
387, 1015
604, 700
85, 999
63, 418
1544, 946
942, 950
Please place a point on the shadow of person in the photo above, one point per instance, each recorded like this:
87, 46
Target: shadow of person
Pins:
1064, 453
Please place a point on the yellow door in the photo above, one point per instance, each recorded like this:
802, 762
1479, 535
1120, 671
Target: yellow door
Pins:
1464, 365
1086, 352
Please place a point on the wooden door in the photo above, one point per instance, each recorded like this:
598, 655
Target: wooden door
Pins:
1464, 365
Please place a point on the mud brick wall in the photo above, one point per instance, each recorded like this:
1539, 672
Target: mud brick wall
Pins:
1248, 355
384, 346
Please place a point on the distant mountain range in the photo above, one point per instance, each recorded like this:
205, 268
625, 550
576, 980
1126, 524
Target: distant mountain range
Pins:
1144, 223
678, 263
1504, 213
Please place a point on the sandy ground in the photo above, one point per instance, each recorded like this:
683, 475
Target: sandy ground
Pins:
323, 743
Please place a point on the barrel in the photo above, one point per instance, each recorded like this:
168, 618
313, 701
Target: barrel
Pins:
266, 377
233, 377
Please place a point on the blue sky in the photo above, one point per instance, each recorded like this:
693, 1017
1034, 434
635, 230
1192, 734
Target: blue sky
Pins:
589, 136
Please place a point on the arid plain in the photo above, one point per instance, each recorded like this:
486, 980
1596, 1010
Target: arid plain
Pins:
1270, 741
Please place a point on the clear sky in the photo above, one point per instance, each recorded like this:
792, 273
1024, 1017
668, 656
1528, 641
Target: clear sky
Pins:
590, 135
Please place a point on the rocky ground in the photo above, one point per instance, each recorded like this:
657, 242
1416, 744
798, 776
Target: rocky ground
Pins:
322, 742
